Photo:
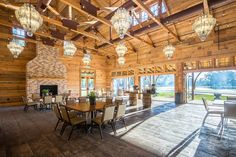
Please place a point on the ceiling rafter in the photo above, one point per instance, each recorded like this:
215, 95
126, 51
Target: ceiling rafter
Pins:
132, 46
47, 35
140, 4
101, 19
59, 24
169, 13
55, 22
206, 7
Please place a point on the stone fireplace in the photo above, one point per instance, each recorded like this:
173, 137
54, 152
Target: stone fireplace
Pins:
45, 70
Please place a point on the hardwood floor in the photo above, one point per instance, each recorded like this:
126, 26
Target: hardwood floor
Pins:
165, 130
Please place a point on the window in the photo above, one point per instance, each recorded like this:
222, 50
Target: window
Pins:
144, 16
135, 22
154, 9
19, 33
163, 9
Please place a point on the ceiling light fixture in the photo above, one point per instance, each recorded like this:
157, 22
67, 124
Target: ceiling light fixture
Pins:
169, 49
15, 48
121, 60
121, 21
121, 49
29, 18
203, 26
69, 48
86, 59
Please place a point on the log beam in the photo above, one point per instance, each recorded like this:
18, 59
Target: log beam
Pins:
141, 5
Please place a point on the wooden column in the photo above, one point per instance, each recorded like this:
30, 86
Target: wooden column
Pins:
180, 97
136, 78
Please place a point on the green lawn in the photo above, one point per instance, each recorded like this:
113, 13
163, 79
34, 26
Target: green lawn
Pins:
207, 97
165, 94
197, 96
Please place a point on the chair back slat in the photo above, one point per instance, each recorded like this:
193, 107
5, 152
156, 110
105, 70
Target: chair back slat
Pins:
108, 113
58, 99
64, 114
24, 99
48, 99
230, 109
118, 102
36, 96
109, 101
70, 101
205, 104
82, 99
120, 111
57, 111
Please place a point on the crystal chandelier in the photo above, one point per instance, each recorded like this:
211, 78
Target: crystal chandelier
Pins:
69, 48
15, 48
203, 26
29, 18
121, 21
121, 60
86, 59
169, 50
121, 49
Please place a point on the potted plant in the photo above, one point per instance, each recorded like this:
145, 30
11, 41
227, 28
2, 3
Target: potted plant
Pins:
92, 98
45, 92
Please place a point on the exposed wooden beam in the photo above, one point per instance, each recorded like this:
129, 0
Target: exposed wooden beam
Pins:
169, 13
132, 46
206, 7
140, 4
47, 35
55, 22
101, 19
10, 36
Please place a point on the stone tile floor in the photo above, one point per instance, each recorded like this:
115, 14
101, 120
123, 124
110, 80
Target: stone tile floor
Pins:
164, 130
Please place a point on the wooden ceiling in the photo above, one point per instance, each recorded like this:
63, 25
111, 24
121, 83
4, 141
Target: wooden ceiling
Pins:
95, 31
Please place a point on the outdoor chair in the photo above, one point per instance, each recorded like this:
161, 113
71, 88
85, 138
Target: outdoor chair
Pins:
212, 111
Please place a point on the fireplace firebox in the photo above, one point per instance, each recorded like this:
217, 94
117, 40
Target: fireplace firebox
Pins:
53, 89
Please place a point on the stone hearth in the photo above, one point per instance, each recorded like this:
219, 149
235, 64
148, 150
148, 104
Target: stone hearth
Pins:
45, 69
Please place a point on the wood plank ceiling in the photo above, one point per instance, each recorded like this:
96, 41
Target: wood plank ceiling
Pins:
95, 31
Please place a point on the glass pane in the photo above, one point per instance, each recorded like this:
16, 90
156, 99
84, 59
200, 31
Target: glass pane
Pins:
83, 87
91, 85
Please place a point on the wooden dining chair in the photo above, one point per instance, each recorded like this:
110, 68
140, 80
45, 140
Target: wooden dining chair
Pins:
82, 99
69, 120
109, 101
118, 102
212, 111
58, 99
36, 97
70, 101
120, 115
28, 104
47, 102
57, 112
107, 117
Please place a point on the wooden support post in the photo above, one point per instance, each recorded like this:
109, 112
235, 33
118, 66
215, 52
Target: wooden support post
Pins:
180, 77
136, 78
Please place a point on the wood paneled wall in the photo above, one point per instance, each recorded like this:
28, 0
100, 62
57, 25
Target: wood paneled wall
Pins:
13, 73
